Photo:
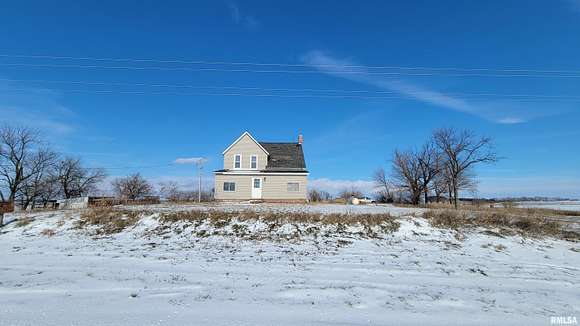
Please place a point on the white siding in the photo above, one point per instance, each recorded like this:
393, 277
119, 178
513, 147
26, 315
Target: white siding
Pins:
246, 147
274, 187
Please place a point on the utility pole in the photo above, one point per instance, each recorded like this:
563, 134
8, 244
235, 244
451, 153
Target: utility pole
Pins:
199, 165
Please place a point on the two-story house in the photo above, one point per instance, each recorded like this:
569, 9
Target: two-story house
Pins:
262, 171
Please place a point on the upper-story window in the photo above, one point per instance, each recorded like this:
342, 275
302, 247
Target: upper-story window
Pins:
253, 162
238, 161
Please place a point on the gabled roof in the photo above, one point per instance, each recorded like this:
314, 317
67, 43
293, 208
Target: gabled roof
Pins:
285, 157
240, 138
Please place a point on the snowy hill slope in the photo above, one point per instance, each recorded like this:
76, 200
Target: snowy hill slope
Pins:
246, 272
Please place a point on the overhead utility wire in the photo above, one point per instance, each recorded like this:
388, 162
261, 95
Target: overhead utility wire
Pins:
409, 96
90, 83
390, 73
248, 63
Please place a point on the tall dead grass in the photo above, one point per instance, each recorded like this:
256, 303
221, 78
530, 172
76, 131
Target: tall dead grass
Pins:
218, 216
108, 220
510, 208
507, 221
373, 225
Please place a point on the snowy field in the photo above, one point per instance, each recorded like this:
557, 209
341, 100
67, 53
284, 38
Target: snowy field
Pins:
571, 205
54, 274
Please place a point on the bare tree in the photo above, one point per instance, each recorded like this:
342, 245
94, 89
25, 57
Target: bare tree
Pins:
348, 193
41, 181
383, 184
462, 151
22, 159
170, 191
50, 189
407, 174
16, 150
440, 183
315, 195
76, 180
429, 165
132, 187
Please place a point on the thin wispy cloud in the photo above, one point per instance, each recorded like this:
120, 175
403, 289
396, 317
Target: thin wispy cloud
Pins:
35, 107
191, 160
493, 111
242, 18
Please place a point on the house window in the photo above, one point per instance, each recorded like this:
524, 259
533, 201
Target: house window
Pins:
254, 162
229, 186
257, 183
238, 161
293, 186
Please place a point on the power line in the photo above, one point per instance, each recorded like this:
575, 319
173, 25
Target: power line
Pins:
90, 83
117, 167
249, 63
514, 97
382, 73
190, 86
131, 167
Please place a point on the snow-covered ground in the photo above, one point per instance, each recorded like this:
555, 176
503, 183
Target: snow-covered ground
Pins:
569, 205
417, 275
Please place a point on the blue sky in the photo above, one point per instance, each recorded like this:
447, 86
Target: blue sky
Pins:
358, 79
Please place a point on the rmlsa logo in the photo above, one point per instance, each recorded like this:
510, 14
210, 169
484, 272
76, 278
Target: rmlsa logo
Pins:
569, 320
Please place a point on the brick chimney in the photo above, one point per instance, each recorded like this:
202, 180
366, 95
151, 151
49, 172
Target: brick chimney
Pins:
300, 139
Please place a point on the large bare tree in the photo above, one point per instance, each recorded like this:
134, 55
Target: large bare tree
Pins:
75, 180
429, 162
462, 150
132, 187
41, 184
383, 184
407, 174
23, 157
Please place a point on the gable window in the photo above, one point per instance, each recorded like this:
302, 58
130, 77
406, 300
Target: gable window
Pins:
229, 186
238, 161
254, 162
293, 186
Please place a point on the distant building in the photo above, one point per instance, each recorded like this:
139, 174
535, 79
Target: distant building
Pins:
268, 171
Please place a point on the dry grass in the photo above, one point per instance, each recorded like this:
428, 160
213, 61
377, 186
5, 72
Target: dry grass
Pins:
108, 220
508, 207
48, 232
220, 217
24, 221
507, 220
305, 223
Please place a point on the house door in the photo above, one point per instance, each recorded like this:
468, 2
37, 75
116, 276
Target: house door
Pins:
256, 188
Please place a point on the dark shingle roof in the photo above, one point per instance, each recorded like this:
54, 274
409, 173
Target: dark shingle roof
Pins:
285, 157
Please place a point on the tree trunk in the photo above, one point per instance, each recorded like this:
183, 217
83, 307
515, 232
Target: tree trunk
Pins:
426, 194
1, 219
455, 195
450, 194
